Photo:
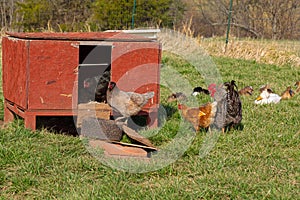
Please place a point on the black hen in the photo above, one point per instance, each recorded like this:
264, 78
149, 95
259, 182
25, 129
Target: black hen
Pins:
97, 86
199, 90
229, 106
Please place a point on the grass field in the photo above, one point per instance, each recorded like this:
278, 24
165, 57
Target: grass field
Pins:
263, 51
259, 162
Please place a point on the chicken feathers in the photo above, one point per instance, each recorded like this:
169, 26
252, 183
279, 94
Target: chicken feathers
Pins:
234, 105
199, 117
288, 93
178, 96
229, 106
246, 91
96, 86
126, 103
267, 96
199, 90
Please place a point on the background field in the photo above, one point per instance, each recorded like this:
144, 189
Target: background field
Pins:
259, 162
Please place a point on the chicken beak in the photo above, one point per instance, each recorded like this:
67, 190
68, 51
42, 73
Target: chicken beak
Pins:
201, 113
259, 98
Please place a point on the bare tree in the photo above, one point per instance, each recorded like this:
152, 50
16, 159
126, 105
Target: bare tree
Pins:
250, 18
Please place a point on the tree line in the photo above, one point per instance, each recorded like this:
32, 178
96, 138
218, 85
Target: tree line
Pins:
278, 19
274, 19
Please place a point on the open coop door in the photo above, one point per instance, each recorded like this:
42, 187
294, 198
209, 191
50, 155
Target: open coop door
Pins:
94, 72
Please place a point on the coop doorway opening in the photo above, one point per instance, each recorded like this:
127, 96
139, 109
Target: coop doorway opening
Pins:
94, 72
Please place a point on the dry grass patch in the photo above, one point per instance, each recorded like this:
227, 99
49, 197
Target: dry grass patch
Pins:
277, 52
262, 51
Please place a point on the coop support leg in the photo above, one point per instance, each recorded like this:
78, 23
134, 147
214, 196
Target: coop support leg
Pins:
8, 115
30, 121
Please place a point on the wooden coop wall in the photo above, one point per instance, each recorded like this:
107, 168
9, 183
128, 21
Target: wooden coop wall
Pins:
14, 70
40, 76
52, 74
135, 67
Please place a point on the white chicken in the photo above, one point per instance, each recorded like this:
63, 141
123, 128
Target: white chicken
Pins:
267, 97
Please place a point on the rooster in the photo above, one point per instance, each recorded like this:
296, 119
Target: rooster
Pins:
247, 91
234, 105
97, 86
199, 117
229, 106
126, 103
215, 89
288, 93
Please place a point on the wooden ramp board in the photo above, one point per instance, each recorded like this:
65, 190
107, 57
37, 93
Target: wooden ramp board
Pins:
134, 145
137, 137
111, 149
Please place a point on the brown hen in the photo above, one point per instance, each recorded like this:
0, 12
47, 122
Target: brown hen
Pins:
288, 93
199, 117
246, 91
126, 103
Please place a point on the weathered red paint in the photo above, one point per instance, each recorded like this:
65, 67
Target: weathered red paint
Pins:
52, 73
135, 65
14, 65
40, 71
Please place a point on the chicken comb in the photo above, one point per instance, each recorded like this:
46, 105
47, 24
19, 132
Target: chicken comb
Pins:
211, 86
179, 106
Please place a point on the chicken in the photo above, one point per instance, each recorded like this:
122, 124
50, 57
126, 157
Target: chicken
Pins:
199, 117
298, 86
126, 103
213, 88
199, 90
267, 96
266, 87
234, 105
246, 91
96, 86
229, 106
288, 93
177, 96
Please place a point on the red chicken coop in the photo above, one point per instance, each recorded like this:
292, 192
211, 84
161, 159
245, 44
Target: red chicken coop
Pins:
44, 73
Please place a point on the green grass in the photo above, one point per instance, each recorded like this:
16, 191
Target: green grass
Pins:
259, 162
1, 90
